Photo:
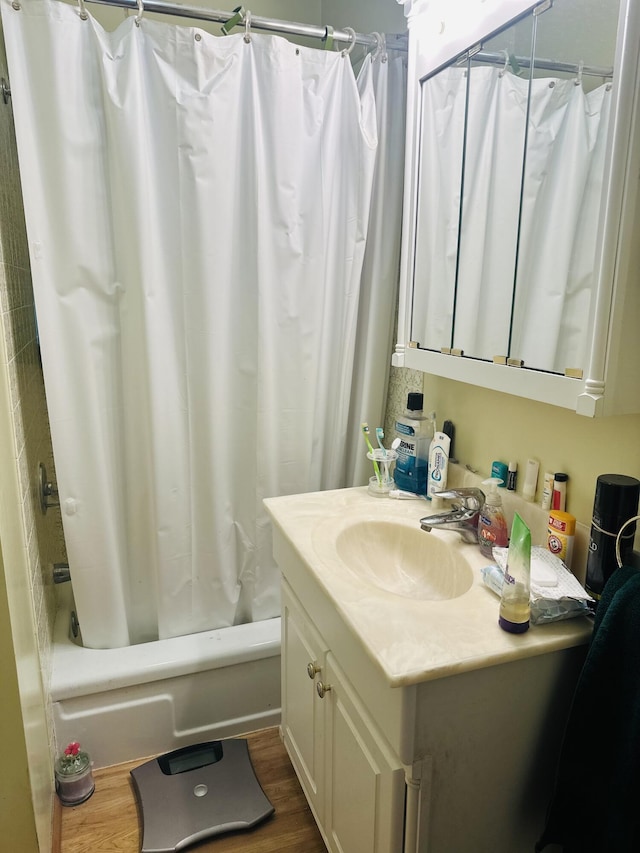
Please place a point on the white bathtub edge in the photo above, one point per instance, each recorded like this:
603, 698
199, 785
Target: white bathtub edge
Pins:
79, 672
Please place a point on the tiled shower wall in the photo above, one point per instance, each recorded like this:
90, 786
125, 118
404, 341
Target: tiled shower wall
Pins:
402, 380
43, 538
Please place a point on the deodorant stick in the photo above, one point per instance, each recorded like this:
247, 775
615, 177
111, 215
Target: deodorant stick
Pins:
561, 534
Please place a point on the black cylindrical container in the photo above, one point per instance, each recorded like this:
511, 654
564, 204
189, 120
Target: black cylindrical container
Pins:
616, 501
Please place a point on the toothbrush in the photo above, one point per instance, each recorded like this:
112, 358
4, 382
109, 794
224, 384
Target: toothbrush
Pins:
400, 495
380, 436
385, 459
365, 432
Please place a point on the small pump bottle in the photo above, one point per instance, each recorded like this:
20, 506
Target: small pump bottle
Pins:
415, 432
492, 525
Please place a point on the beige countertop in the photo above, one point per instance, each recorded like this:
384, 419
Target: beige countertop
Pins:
411, 640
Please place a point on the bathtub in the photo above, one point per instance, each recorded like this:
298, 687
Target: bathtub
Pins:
129, 703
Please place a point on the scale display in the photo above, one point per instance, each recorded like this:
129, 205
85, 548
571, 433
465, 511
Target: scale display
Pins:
190, 758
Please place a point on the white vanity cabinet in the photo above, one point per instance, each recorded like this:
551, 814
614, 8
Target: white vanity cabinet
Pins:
303, 658
442, 334
354, 785
413, 726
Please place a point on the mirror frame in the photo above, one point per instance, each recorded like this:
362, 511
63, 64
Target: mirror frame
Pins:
429, 50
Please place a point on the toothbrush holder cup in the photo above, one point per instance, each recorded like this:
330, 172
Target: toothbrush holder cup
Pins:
384, 460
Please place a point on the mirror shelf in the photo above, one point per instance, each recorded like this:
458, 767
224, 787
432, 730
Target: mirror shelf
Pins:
556, 390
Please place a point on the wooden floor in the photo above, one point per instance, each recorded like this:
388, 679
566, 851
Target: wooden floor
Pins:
109, 822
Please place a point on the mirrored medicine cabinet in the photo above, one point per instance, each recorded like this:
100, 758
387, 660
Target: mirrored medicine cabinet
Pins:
519, 258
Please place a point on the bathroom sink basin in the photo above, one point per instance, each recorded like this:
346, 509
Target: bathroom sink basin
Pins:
403, 560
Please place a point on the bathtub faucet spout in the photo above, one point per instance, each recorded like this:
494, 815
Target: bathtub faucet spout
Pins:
61, 573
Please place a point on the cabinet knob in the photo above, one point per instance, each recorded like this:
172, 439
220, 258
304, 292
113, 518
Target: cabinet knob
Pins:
322, 689
313, 669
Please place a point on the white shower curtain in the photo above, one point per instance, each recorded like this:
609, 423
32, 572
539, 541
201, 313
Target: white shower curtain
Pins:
563, 177
380, 272
197, 210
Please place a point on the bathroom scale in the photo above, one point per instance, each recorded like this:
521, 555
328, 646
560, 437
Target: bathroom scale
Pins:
196, 793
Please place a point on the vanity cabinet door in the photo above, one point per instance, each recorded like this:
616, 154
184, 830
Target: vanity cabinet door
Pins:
364, 810
353, 782
303, 658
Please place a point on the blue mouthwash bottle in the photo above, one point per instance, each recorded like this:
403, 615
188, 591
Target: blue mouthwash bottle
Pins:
415, 432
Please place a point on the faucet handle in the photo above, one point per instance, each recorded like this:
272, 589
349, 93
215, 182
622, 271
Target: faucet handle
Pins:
471, 498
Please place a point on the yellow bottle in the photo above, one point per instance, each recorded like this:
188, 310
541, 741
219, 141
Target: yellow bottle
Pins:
561, 534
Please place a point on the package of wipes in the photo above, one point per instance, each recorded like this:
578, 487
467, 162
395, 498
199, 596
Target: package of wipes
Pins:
556, 594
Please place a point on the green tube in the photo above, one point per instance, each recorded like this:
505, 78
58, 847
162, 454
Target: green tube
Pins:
516, 592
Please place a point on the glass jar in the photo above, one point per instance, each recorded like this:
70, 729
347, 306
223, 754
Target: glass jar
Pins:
74, 778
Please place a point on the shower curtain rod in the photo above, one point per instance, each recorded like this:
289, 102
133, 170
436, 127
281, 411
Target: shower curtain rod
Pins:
350, 37
500, 58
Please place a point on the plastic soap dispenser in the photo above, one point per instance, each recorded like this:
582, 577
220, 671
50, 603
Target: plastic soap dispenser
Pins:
415, 432
492, 525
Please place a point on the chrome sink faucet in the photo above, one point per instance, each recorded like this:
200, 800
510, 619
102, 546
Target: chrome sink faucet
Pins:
462, 518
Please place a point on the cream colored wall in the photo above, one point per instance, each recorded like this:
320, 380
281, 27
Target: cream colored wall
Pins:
17, 819
29, 541
20, 586
490, 425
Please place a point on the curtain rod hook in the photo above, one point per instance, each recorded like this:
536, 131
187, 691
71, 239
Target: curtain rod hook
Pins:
378, 48
247, 26
578, 80
384, 55
82, 12
352, 37
138, 17
327, 39
235, 18
507, 60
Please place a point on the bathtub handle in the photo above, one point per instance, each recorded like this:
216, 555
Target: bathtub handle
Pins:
48, 492
313, 669
322, 689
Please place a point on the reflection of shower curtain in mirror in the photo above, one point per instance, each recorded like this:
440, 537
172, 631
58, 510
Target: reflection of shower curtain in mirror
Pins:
561, 195
560, 211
